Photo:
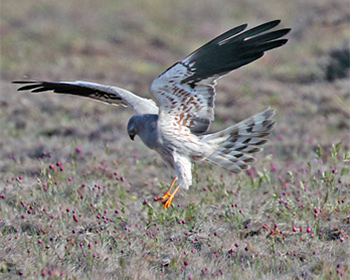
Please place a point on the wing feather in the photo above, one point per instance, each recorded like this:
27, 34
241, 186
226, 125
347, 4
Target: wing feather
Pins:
185, 92
106, 94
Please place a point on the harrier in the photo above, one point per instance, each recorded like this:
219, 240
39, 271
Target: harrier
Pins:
174, 126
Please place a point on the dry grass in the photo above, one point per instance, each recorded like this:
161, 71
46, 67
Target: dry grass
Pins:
77, 195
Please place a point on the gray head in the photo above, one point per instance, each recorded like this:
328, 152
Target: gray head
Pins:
143, 126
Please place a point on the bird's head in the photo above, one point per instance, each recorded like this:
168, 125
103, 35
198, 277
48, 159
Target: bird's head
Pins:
143, 126
134, 127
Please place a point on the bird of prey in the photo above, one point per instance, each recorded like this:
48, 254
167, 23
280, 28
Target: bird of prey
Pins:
175, 124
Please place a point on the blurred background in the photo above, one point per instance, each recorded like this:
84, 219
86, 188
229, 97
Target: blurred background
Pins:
128, 43
65, 161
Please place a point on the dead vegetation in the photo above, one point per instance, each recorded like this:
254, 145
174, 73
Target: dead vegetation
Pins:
76, 196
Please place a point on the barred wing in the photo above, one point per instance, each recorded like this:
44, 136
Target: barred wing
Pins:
185, 91
107, 94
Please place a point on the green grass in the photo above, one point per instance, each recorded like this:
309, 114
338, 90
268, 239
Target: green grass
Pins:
286, 218
96, 221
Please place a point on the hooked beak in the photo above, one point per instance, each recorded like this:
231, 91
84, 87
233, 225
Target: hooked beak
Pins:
132, 135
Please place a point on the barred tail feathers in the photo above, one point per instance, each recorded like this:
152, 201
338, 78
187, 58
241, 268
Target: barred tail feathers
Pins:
237, 143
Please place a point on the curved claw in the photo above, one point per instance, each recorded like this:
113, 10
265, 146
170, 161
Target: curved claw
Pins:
168, 197
167, 194
168, 200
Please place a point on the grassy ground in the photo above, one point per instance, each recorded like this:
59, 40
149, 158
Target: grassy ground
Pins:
76, 196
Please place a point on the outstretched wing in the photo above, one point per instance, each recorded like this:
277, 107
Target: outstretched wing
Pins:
185, 91
107, 94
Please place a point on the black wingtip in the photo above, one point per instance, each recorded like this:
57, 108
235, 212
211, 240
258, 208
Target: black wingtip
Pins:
29, 85
285, 31
24, 82
283, 41
273, 23
235, 48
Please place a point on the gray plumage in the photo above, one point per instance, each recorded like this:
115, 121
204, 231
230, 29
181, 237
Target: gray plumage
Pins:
185, 105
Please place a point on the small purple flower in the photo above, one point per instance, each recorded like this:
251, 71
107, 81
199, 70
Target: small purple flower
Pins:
273, 167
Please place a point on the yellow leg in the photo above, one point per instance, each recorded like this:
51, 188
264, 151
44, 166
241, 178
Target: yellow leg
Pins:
168, 200
167, 194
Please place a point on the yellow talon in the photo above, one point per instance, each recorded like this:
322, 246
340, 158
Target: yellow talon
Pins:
168, 200
167, 197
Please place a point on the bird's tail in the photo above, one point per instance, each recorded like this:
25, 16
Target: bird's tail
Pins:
237, 143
